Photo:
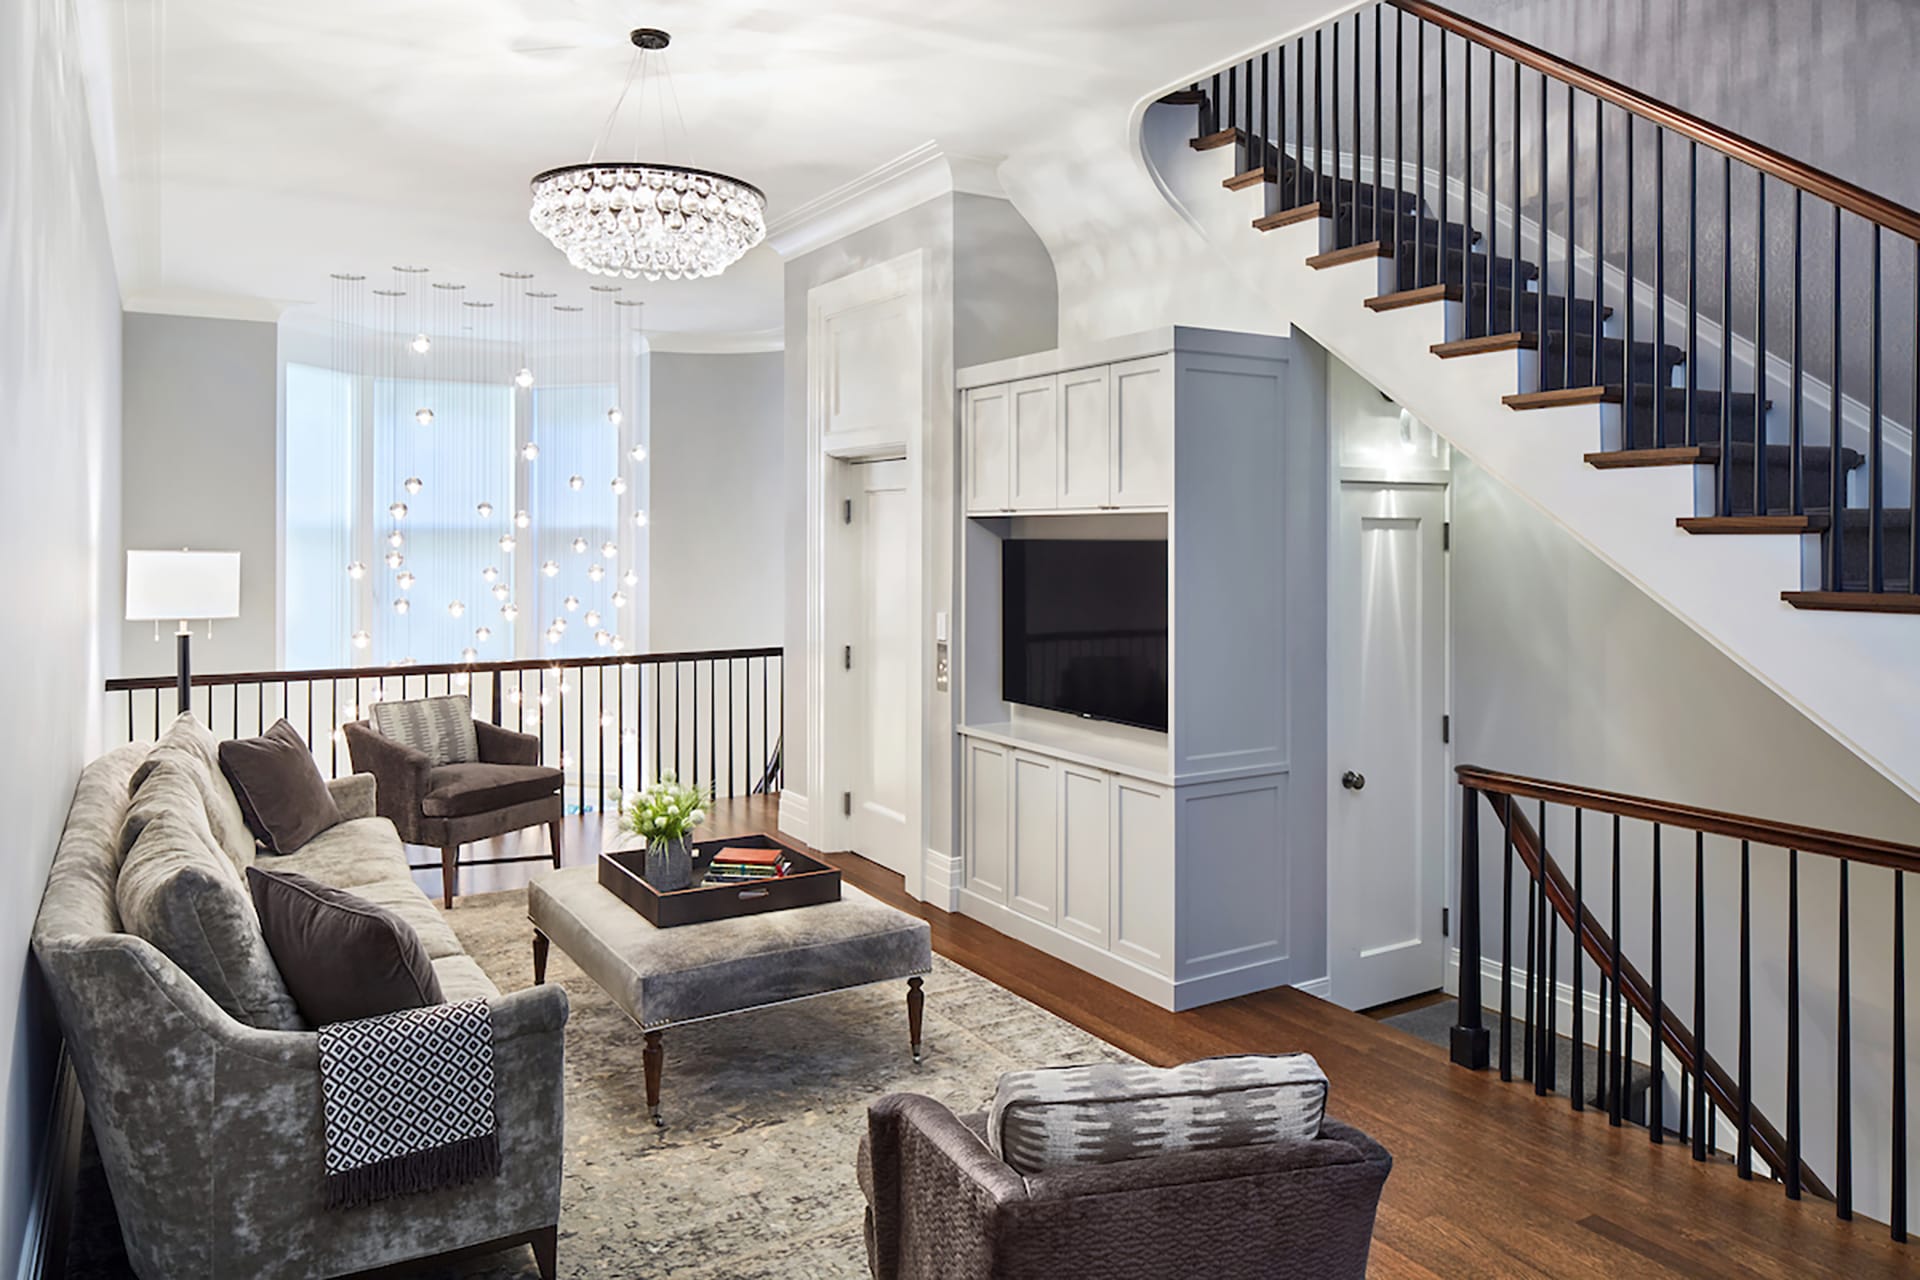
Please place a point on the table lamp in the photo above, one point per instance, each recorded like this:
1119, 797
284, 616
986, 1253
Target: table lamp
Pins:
188, 586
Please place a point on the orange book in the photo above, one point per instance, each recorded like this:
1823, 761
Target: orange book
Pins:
749, 856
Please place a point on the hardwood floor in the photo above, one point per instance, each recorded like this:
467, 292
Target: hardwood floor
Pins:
1488, 1179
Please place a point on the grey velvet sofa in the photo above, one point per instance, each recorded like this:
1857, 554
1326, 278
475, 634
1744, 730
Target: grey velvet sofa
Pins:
210, 1130
942, 1206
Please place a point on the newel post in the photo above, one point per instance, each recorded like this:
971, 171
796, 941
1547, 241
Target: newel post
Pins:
1469, 1036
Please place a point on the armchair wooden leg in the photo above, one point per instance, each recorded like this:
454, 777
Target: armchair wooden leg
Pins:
553, 839
449, 867
546, 1251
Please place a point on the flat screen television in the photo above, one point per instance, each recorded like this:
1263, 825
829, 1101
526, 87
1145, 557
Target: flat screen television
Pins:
1084, 628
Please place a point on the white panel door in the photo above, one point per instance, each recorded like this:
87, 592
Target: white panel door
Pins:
1142, 873
1034, 484
1035, 828
881, 667
1086, 851
1387, 820
985, 818
985, 443
1141, 465
1085, 429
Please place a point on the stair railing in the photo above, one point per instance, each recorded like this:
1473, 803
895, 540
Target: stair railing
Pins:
1563, 913
1535, 194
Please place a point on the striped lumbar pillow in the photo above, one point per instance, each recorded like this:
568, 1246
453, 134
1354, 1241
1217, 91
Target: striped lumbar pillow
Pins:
439, 728
1100, 1114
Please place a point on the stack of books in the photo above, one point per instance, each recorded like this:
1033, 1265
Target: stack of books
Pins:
738, 864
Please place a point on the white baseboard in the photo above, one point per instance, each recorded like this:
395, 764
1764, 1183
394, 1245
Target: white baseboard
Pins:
1316, 987
60, 1149
940, 885
793, 816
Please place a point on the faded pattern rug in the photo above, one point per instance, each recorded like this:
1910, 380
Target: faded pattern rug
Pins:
753, 1177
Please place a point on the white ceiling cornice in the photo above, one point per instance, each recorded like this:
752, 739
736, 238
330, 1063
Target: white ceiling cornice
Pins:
207, 306
894, 187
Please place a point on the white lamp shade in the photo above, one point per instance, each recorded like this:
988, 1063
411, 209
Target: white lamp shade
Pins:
182, 585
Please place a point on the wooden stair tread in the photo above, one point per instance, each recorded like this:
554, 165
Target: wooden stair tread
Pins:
1352, 253
1561, 397
1414, 297
1854, 601
1810, 523
1491, 342
1211, 141
1675, 456
1185, 98
1252, 177
1287, 217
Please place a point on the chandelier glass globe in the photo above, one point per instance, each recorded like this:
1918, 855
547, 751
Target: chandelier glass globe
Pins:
521, 519
619, 485
550, 567
483, 634
524, 378
356, 570
576, 483
469, 653
421, 344
423, 416
506, 542
509, 611
395, 559
609, 550
571, 603
361, 639
596, 571
638, 453
484, 510
413, 484
500, 591
615, 416
530, 451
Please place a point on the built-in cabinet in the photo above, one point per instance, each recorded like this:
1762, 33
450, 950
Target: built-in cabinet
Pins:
1098, 438
1165, 862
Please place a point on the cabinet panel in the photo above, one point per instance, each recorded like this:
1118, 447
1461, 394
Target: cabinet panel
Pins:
1141, 468
984, 449
1085, 427
1036, 829
1142, 871
1034, 482
1086, 852
987, 820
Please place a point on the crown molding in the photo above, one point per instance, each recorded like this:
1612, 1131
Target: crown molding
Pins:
901, 183
208, 306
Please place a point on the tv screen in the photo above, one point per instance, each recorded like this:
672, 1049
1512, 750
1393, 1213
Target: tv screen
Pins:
1084, 628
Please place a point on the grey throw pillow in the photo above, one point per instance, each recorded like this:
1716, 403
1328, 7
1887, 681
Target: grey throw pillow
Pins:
343, 957
1100, 1114
179, 892
441, 729
281, 792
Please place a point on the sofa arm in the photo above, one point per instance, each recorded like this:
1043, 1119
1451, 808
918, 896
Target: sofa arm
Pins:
353, 795
400, 774
933, 1190
504, 746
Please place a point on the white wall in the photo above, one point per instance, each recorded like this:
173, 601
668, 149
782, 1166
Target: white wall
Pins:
60, 489
202, 471
715, 519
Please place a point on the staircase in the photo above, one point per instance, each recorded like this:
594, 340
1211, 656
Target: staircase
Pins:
1708, 326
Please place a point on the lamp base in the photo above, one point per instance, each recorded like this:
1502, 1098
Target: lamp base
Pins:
183, 673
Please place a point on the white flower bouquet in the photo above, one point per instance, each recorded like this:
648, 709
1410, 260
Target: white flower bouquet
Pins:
668, 811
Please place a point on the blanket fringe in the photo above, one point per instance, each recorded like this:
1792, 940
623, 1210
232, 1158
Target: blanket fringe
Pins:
464, 1161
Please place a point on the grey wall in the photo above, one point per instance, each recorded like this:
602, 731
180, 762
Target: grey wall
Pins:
60, 489
718, 571
202, 471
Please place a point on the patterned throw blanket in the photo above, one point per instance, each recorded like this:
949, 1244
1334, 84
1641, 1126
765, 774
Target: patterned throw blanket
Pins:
409, 1102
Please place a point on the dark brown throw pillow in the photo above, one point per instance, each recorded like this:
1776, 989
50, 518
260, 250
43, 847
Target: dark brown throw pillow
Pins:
282, 795
341, 956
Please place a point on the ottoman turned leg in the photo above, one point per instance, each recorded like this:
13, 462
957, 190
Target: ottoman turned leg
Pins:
916, 1002
653, 1057
540, 945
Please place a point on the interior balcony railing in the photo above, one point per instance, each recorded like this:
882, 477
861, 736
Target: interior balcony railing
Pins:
1678, 883
1734, 306
715, 716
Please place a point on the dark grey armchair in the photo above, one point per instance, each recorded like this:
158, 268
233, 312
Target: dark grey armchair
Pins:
448, 805
941, 1206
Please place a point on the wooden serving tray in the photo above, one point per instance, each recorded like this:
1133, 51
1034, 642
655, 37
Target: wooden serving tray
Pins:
812, 882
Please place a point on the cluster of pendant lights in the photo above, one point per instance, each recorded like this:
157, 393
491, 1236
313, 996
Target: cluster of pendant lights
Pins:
496, 340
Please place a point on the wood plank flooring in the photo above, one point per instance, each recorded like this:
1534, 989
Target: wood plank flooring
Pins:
1488, 1180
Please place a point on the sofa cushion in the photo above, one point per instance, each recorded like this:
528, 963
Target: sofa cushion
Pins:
1108, 1112
191, 744
404, 898
354, 853
343, 957
457, 790
178, 891
285, 799
439, 728
462, 979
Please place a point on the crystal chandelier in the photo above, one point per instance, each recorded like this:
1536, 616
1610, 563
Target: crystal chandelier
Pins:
626, 218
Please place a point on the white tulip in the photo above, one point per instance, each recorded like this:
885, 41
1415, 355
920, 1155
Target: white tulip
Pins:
695, 818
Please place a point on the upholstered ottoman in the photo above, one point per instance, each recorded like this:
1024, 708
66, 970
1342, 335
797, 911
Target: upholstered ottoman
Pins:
663, 977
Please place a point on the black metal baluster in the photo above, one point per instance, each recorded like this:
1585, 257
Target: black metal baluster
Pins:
1529, 1051
1550, 992
765, 757
1797, 476
676, 718
1744, 1162
1599, 239
333, 739
1546, 259
1357, 140
1213, 105
1656, 1023
1379, 152
1876, 511
713, 728
1629, 305
1572, 169
1319, 109
732, 721
1513, 258
1836, 532
1419, 155
1579, 1050
1760, 346
1659, 321
1843, 1041
1493, 190
620, 728
1265, 137
1299, 150
1469, 1039
1693, 288
659, 737
1233, 98
1506, 939
1701, 1118
1400, 128
1792, 1171
1615, 1079
1913, 446
1255, 130
1538, 966
1898, 1219
1440, 248
1334, 110
1466, 174
1725, 471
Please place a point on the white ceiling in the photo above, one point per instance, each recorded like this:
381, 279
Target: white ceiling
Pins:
259, 146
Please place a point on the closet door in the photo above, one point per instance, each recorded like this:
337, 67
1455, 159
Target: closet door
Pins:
1035, 484
1085, 430
984, 449
1142, 438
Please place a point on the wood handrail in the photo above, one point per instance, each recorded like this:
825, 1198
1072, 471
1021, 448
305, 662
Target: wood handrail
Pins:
1783, 835
125, 684
1816, 182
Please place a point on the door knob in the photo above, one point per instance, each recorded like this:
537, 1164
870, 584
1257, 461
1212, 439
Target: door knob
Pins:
1353, 781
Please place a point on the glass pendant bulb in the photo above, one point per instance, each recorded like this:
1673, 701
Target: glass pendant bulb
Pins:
421, 344
640, 519
571, 603
423, 416
618, 644
619, 485
630, 578
396, 539
395, 559
603, 638
398, 511
356, 571
485, 510
506, 542
579, 545
405, 581
530, 451
521, 519
489, 573
509, 611
609, 550
595, 572
500, 591
619, 599
401, 605
576, 483
560, 625
483, 634
524, 378
470, 653
361, 639
638, 453
550, 567
615, 416
591, 618
456, 609
413, 484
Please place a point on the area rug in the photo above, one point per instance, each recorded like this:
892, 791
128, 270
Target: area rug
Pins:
753, 1178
